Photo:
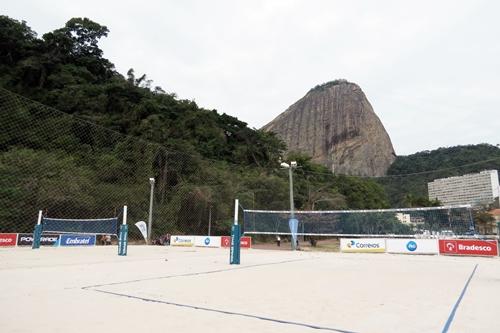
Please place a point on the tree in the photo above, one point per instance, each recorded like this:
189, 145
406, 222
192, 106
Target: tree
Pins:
16, 40
78, 37
420, 201
485, 222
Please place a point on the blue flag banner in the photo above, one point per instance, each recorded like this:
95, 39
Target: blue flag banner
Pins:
294, 225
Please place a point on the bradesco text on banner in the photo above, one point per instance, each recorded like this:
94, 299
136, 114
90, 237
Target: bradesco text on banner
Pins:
178, 240
468, 247
373, 245
245, 242
8, 239
77, 240
412, 246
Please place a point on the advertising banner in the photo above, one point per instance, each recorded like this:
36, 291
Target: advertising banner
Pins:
27, 240
77, 240
182, 240
207, 241
371, 245
412, 246
468, 247
245, 242
141, 225
8, 239
225, 241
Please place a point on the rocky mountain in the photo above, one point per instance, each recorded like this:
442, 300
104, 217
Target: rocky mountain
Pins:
336, 125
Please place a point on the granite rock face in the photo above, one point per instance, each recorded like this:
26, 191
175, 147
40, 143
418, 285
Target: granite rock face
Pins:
336, 125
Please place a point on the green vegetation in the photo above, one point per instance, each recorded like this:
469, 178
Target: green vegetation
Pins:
470, 158
65, 69
407, 178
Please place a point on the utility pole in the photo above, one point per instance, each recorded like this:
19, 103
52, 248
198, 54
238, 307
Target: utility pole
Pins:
293, 223
150, 218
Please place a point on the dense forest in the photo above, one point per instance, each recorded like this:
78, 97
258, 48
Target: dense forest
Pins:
471, 158
65, 69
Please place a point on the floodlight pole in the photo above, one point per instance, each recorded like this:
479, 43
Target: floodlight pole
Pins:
150, 218
292, 207
209, 219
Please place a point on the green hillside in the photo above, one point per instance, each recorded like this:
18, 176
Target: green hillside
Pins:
459, 159
407, 178
66, 69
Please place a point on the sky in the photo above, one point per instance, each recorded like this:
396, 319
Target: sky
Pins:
430, 69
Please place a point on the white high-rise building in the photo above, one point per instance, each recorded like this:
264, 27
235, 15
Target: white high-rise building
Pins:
475, 189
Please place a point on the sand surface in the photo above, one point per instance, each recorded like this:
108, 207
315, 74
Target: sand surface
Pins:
173, 289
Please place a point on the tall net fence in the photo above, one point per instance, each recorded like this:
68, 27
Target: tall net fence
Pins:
452, 220
72, 168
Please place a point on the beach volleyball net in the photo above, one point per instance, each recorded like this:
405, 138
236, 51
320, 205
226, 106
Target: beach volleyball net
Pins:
403, 222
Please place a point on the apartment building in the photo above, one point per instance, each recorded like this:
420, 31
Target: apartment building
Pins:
475, 189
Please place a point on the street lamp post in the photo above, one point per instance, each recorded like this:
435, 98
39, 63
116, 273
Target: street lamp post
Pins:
150, 219
292, 222
209, 219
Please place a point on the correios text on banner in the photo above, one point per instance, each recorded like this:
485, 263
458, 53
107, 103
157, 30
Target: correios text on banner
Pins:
376, 245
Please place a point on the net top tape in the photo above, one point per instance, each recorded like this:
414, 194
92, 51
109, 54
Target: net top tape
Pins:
390, 210
80, 220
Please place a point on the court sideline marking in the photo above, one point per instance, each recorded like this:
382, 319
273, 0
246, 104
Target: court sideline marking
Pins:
197, 273
93, 288
241, 314
457, 303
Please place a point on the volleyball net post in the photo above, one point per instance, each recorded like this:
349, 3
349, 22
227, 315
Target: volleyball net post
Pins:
123, 237
234, 254
37, 233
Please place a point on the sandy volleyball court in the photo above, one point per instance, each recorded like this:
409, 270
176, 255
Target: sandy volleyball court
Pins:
195, 289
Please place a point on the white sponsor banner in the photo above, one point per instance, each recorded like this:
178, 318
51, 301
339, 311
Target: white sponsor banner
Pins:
207, 241
362, 245
182, 240
143, 229
413, 246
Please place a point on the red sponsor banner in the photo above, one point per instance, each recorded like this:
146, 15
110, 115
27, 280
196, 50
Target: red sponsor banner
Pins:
225, 241
468, 247
245, 242
8, 239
